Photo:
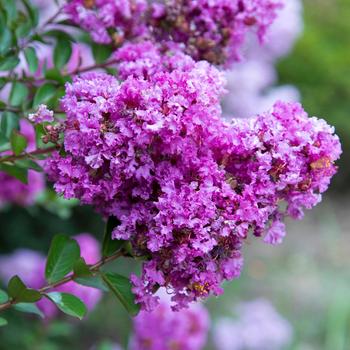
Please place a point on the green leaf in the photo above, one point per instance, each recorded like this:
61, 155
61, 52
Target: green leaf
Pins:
9, 121
29, 164
109, 245
10, 8
18, 142
20, 293
62, 53
81, 269
63, 254
5, 40
8, 63
19, 93
59, 34
44, 94
20, 174
3, 296
69, 304
94, 282
101, 52
32, 59
29, 308
121, 288
55, 74
3, 82
3, 322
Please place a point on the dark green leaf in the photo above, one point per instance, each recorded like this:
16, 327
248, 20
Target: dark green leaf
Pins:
10, 8
101, 52
81, 269
5, 40
62, 53
121, 288
23, 29
32, 12
19, 93
63, 254
55, 74
3, 322
32, 59
94, 282
44, 94
59, 34
8, 63
9, 121
19, 173
29, 308
3, 296
3, 82
18, 142
110, 245
19, 292
69, 304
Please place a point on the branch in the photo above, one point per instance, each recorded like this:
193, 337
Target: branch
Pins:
93, 269
13, 158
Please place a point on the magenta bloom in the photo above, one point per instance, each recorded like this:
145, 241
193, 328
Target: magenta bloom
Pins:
15, 191
257, 326
164, 329
187, 187
212, 30
43, 114
30, 267
122, 18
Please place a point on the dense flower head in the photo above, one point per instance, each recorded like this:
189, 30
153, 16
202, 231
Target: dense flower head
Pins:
29, 265
164, 329
257, 326
213, 30
187, 187
13, 190
108, 20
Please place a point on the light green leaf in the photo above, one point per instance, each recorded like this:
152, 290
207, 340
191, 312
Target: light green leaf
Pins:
29, 308
29, 164
19, 93
69, 304
3, 296
63, 254
32, 59
5, 40
9, 121
94, 282
18, 142
121, 288
3, 322
8, 63
44, 94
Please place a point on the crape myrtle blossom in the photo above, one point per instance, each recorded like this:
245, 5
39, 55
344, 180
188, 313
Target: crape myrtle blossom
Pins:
29, 265
187, 187
164, 329
15, 191
257, 326
43, 114
109, 20
213, 30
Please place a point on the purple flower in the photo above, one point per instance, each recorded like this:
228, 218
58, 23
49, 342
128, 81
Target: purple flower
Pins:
30, 267
100, 17
257, 326
43, 114
164, 329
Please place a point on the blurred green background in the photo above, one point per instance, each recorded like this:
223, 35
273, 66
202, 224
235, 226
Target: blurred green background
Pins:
307, 278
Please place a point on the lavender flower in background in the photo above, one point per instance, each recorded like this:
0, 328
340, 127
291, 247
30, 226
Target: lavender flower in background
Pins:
164, 329
15, 191
257, 326
43, 114
250, 83
30, 267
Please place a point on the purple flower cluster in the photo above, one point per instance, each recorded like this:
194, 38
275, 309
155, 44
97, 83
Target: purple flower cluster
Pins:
211, 30
108, 20
15, 191
30, 267
187, 187
164, 329
43, 114
258, 326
